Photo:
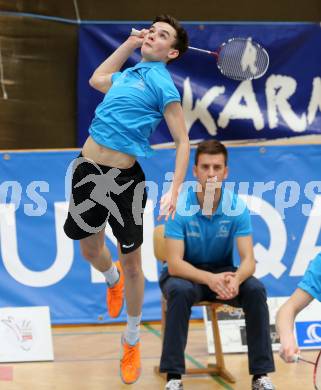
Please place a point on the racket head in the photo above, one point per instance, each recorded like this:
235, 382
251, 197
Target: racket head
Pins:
317, 373
242, 59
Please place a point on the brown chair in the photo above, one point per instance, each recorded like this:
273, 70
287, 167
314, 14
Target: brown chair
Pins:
219, 367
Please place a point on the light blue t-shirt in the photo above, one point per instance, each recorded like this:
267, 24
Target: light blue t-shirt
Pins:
133, 107
311, 281
209, 239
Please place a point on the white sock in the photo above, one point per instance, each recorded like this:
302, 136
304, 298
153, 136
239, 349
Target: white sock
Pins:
111, 275
132, 329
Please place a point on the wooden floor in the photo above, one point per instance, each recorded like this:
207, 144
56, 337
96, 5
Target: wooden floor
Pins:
88, 358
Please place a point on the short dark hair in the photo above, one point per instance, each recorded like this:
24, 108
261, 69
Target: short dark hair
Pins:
211, 146
181, 43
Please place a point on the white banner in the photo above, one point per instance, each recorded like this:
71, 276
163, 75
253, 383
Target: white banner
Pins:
25, 334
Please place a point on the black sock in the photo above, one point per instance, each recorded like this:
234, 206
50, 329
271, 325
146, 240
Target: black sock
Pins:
173, 376
257, 376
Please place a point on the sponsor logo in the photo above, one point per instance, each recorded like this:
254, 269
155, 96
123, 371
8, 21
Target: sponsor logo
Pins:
21, 330
193, 223
193, 234
308, 333
223, 231
128, 246
104, 185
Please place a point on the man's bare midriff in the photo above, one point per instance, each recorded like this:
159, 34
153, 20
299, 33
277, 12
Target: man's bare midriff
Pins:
105, 156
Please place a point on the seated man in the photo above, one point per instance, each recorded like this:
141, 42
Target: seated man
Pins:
199, 249
308, 289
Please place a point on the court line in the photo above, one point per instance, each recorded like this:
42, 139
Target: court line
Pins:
108, 332
92, 333
217, 378
93, 359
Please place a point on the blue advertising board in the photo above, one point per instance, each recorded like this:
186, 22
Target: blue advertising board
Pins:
308, 333
40, 266
285, 102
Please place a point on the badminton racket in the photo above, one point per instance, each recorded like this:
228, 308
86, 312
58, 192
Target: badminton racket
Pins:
238, 58
316, 371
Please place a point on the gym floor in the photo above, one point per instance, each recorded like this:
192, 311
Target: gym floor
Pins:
87, 357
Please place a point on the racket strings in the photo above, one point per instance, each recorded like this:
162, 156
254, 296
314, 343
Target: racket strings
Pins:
242, 59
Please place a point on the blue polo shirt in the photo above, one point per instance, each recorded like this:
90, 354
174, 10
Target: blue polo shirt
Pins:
209, 240
133, 107
311, 281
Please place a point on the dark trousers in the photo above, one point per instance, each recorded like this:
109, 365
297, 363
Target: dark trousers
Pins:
181, 294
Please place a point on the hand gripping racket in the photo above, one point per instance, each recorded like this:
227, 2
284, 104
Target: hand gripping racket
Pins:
238, 58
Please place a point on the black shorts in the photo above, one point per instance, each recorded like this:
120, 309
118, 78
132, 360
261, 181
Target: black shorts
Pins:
102, 194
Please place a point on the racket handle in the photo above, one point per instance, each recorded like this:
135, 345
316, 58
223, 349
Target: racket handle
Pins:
305, 360
212, 53
135, 32
296, 358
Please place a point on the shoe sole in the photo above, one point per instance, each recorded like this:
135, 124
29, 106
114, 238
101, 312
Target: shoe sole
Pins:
129, 383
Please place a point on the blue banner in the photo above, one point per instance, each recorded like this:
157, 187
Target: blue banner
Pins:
308, 334
285, 102
40, 266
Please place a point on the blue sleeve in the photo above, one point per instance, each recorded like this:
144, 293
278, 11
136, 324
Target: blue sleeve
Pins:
311, 281
115, 76
165, 90
174, 228
244, 226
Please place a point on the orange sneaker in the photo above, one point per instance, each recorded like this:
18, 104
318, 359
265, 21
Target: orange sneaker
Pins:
115, 295
130, 367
